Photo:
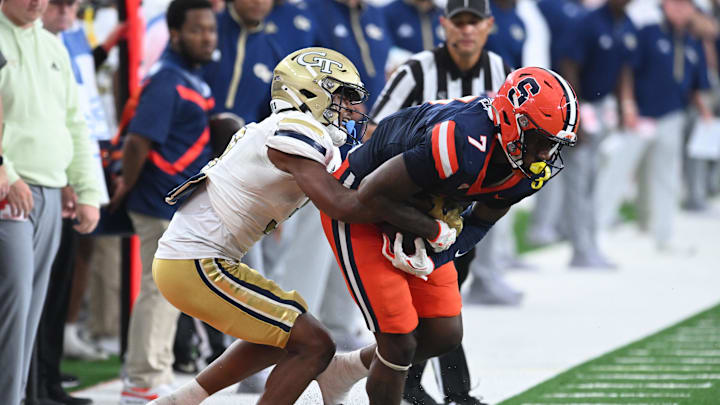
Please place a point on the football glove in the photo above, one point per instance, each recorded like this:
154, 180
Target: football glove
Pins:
417, 264
445, 237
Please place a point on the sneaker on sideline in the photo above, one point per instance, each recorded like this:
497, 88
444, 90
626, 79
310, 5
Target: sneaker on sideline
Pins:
76, 348
132, 395
69, 380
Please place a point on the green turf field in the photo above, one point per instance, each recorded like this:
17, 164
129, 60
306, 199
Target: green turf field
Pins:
92, 372
678, 365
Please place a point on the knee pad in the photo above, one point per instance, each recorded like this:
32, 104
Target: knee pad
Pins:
391, 365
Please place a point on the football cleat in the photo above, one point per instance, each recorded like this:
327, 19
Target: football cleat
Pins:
418, 397
465, 400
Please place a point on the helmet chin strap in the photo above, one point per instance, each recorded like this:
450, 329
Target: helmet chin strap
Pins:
515, 163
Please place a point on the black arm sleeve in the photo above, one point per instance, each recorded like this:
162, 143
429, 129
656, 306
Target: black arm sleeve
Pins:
100, 55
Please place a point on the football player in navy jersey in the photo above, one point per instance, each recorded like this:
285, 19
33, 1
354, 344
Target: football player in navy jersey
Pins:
480, 156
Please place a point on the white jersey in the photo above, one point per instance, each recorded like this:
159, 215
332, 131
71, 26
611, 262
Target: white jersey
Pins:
245, 195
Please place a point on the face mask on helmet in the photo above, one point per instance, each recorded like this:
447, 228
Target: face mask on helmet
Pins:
536, 145
325, 84
346, 124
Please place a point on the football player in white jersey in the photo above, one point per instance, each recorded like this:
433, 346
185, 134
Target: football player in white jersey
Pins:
268, 171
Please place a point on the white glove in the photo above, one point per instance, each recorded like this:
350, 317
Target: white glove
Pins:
445, 238
417, 264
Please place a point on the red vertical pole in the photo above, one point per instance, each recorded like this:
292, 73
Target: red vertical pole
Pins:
131, 50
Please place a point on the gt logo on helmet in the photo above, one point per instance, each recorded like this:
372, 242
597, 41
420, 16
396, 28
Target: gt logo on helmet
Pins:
318, 61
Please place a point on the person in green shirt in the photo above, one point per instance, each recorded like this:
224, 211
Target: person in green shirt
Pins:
4, 187
45, 147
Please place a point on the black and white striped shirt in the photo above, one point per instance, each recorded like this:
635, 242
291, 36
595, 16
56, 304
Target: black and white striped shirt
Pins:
432, 75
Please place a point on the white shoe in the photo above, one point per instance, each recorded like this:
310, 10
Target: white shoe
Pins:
132, 395
76, 348
344, 370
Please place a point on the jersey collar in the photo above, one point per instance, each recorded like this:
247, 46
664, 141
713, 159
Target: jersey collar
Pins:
445, 60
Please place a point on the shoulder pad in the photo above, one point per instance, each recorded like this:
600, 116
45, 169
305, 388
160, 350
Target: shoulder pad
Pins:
299, 134
303, 124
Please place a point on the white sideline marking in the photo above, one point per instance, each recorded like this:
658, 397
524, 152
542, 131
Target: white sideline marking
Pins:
652, 386
602, 403
666, 360
559, 395
628, 376
665, 368
699, 345
680, 353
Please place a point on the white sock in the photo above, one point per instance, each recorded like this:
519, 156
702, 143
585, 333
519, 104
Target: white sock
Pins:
189, 394
344, 370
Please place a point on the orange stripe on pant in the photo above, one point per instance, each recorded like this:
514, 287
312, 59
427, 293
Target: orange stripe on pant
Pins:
391, 300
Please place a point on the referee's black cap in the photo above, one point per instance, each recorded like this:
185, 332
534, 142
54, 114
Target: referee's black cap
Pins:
480, 8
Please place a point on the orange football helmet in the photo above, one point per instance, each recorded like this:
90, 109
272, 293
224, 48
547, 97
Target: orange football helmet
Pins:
535, 100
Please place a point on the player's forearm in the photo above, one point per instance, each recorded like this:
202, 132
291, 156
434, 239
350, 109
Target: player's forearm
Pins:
345, 205
386, 192
401, 215
135, 152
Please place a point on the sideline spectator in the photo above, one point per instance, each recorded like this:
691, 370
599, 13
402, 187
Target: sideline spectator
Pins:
46, 147
414, 25
60, 19
548, 211
247, 56
4, 186
668, 53
168, 141
291, 25
358, 30
682, 67
508, 37
598, 63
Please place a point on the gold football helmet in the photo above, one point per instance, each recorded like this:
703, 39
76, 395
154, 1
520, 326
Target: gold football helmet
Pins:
322, 82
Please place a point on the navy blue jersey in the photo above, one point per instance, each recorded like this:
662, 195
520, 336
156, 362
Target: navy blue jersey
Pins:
412, 29
291, 25
240, 80
359, 33
657, 69
601, 45
508, 35
447, 149
559, 15
172, 112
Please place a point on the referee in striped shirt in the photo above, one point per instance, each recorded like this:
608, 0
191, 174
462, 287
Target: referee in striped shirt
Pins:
460, 67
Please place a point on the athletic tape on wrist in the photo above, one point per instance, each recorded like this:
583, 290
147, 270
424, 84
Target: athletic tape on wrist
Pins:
391, 365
